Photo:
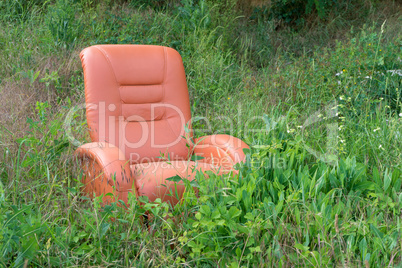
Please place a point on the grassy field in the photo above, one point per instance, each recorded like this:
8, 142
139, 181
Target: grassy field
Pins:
317, 96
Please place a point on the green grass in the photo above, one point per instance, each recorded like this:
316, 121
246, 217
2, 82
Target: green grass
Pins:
301, 199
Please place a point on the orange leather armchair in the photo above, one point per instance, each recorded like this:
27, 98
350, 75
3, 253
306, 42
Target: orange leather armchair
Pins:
137, 108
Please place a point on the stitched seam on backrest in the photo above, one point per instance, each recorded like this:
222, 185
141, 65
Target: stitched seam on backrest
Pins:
164, 74
163, 80
114, 74
163, 86
139, 85
133, 86
166, 119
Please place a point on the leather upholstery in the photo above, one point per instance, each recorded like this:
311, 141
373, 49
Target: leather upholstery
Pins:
137, 100
137, 108
105, 168
220, 150
150, 178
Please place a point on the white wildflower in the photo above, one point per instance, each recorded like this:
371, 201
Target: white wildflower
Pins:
397, 72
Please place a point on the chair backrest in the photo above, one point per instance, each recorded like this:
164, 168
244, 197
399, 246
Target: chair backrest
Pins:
137, 99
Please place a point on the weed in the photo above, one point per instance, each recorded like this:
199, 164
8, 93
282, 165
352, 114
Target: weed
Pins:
63, 24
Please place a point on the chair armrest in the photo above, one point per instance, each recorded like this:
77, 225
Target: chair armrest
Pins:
104, 166
220, 150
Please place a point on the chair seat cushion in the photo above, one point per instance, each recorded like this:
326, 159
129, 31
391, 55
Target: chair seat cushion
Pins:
151, 179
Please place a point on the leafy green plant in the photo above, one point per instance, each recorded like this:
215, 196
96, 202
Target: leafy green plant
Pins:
52, 80
63, 24
194, 15
49, 146
240, 217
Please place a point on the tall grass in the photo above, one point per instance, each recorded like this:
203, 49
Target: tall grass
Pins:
248, 76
